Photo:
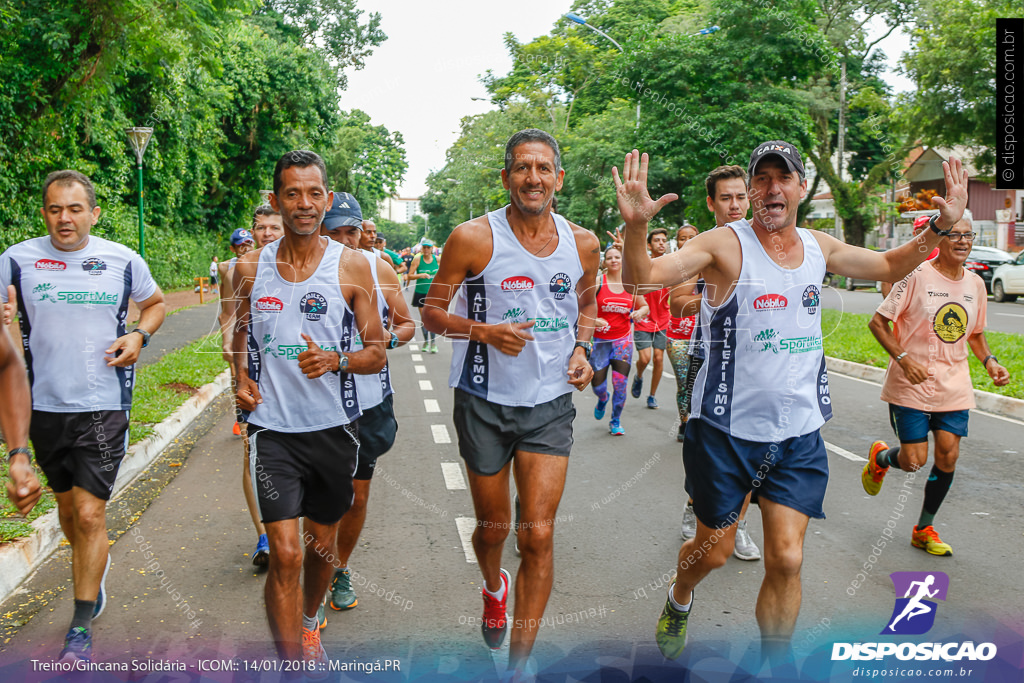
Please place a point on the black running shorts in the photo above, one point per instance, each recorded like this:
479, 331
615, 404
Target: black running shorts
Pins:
303, 474
490, 433
80, 449
377, 430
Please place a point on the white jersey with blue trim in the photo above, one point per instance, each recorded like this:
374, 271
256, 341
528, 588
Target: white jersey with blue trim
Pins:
373, 389
517, 286
764, 376
281, 312
73, 305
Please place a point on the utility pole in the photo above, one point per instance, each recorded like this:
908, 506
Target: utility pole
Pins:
839, 147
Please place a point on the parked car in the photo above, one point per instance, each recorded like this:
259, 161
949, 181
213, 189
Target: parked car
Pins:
1008, 280
985, 260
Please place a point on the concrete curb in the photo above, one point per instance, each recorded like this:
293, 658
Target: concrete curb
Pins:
988, 402
20, 558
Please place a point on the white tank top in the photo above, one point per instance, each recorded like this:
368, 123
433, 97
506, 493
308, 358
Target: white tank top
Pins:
517, 286
281, 312
764, 377
373, 389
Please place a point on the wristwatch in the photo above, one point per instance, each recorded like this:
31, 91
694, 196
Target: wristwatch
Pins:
588, 347
989, 357
145, 336
900, 357
935, 228
393, 344
17, 451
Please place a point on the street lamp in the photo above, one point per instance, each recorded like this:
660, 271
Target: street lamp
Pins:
139, 138
571, 16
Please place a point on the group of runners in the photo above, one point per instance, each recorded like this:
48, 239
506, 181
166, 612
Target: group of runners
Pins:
309, 317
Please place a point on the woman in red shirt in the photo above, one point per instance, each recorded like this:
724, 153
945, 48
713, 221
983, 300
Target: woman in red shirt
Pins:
613, 338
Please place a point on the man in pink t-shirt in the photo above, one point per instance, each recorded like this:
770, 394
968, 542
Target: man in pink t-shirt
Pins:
936, 312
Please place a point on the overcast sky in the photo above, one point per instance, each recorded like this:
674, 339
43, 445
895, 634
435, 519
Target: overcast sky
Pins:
422, 79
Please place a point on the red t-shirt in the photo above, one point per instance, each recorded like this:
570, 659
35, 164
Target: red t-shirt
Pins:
615, 308
659, 315
681, 328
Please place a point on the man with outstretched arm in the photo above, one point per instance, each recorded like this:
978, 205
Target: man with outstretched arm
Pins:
302, 301
764, 373
522, 327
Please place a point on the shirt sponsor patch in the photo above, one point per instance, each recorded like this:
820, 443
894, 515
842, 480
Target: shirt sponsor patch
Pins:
517, 285
94, 266
770, 302
314, 306
50, 264
269, 304
560, 285
950, 323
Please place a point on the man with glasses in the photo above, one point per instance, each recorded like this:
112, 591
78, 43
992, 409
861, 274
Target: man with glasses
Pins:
926, 324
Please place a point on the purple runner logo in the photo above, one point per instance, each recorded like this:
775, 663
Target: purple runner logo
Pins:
913, 614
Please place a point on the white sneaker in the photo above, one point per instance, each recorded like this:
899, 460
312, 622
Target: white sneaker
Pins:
745, 548
689, 523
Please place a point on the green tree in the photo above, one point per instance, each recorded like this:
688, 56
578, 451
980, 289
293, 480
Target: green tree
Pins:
366, 160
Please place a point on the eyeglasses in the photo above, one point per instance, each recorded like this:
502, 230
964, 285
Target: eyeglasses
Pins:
961, 236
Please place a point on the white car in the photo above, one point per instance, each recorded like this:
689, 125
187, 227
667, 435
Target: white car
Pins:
1008, 280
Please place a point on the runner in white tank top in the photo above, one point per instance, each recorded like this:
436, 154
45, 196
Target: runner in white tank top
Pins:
526, 280
301, 301
378, 426
757, 429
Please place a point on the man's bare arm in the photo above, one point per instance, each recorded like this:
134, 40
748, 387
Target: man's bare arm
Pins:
402, 323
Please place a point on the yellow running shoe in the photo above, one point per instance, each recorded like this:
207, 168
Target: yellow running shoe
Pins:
671, 633
928, 539
873, 475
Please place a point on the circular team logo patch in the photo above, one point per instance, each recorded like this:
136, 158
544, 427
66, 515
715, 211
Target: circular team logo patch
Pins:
950, 323
94, 266
314, 305
560, 285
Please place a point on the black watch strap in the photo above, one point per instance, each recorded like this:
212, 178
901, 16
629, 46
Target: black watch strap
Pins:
588, 347
935, 228
17, 451
989, 357
145, 336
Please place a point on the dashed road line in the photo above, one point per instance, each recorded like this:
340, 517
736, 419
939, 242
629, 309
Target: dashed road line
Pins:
440, 434
466, 525
420, 369
453, 479
425, 385
430, 405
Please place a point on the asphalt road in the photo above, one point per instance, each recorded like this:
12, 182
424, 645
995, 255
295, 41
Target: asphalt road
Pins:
1004, 317
616, 540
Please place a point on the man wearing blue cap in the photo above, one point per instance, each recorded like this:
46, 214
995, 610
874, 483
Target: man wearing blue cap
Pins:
377, 426
762, 394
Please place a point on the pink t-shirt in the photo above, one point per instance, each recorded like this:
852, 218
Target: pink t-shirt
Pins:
933, 317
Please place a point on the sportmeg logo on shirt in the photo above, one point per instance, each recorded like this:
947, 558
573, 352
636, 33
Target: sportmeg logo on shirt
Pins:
102, 298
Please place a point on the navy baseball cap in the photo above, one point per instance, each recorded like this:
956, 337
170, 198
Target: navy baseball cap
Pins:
780, 148
241, 236
344, 212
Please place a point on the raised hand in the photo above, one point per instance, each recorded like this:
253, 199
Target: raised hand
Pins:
314, 361
635, 203
951, 209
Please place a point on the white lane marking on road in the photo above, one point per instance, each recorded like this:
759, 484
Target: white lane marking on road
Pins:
453, 478
414, 347
973, 410
844, 453
431, 405
466, 525
440, 433
420, 369
417, 358
1012, 315
425, 385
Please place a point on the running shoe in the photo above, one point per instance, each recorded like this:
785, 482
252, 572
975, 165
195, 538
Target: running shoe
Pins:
652, 403
745, 548
927, 539
433, 347
638, 386
101, 597
261, 556
313, 651
342, 595
494, 624
77, 645
236, 430
671, 633
599, 410
615, 429
689, 523
321, 613
873, 475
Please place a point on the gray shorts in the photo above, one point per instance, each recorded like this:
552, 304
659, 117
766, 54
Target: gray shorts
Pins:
645, 340
490, 433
